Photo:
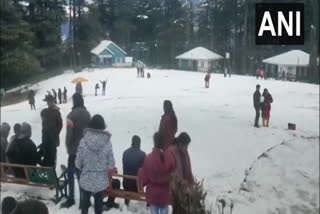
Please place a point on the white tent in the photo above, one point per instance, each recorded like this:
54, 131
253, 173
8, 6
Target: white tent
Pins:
198, 59
291, 65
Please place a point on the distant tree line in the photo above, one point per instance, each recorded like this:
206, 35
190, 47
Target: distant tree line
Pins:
154, 31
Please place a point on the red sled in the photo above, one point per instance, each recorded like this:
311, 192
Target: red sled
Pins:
291, 126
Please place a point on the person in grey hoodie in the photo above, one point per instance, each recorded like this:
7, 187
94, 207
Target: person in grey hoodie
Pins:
77, 120
4, 131
94, 158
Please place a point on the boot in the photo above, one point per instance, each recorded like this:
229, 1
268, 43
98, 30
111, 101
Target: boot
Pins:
264, 123
67, 204
267, 123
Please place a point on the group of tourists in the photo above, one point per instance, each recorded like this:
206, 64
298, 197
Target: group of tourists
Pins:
140, 70
263, 104
104, 84
90, 155
60, 97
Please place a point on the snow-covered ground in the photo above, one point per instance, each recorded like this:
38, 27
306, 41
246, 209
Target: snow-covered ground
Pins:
220, 122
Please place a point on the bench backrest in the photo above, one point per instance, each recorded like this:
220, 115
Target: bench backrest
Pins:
34, 175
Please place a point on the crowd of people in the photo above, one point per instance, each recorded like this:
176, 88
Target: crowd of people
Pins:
91, 158
263, 104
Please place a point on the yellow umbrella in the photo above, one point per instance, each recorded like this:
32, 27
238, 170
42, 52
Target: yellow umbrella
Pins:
79, 79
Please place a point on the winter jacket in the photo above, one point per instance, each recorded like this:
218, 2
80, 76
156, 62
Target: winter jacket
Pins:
104, 83
155, 174
31, 97
22, 151
52, 122
4, 132
94, 157
182, 170
132, 160
256, 99
77, 120
266, 105
167, 129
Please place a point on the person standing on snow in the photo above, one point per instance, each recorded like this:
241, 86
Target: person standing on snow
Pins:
54, 93
4, 131
156, 175
207, 80
51, 128
31, 100
262, 73
65, 95
60, 95
94, 157
168, 124
138, 68
104, 83
266, 107
257, 105
77, 120
132, 160
96, 89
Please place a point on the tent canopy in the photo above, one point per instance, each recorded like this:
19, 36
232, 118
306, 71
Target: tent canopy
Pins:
291, 58
199, 53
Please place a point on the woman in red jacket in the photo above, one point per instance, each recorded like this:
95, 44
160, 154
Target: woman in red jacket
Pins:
266, 107
156, 175
168, 124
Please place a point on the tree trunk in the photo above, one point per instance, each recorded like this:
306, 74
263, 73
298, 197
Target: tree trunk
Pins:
314, 43
244, 39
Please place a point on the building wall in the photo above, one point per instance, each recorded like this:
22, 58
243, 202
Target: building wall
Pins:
204, 65
290, 72
119, 56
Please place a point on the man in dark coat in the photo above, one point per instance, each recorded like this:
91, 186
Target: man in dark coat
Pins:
60, 95
54, 96
23, 150
31, 99
132, 160
51, 128
4, 131
104, 83
77, 120
65, 95
257, 105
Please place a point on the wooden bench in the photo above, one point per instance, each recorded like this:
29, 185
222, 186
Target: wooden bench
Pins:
37, 176
121, 193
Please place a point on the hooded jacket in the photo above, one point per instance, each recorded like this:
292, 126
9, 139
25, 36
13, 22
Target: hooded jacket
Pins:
4, 131
94, 157
155, 174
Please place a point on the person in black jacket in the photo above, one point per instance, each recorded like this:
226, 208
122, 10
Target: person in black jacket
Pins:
60, 95
31, 100
54, 93
104, 83
23, 150
257, 105
65, 95
132, 160
77, 120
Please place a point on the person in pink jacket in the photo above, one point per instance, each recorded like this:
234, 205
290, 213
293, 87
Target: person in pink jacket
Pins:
156, 175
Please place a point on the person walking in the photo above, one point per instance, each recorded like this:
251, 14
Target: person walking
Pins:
79, 88
23, 151
4, 133
94, 157
132, 160
31, 100
266, 107
168, 124
65, 95
104, 83
257, 105
54, 93
96, 89
156, 175
51, 128
77, 120
60, 95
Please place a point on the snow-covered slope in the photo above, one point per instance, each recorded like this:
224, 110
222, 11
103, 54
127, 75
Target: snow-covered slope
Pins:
219, 120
